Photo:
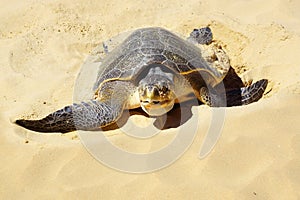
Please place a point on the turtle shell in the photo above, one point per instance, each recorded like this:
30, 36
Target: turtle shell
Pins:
147, 46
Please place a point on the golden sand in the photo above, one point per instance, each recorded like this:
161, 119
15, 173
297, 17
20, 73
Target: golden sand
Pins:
42, 47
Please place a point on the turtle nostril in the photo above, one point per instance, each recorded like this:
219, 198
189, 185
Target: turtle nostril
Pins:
155, 92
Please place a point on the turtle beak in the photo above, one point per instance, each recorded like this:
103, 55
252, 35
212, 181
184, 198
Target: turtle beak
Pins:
151, 95
154, 103
157, 108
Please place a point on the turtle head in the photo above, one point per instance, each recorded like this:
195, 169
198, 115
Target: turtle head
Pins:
156, 92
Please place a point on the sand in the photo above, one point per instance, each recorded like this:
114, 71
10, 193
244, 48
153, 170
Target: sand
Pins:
42, 47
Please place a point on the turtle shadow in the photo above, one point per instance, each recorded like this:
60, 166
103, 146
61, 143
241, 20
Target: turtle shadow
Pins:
182, 112
176, 117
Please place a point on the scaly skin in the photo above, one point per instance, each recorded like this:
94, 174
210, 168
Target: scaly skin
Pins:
86, 115
246, 95
253, 92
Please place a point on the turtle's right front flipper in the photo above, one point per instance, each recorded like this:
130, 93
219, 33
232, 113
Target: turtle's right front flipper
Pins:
85, 116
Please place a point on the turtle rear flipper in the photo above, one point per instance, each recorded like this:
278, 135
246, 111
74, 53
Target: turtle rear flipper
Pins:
84, 116
246, 95
201, 36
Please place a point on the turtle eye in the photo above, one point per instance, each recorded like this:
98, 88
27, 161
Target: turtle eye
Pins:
164, 89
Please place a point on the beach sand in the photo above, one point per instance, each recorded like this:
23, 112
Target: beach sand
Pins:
43, 45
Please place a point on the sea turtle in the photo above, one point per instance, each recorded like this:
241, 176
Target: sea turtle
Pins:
152, 69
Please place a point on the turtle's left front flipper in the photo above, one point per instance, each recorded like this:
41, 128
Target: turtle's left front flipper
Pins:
246, 95
85, 116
